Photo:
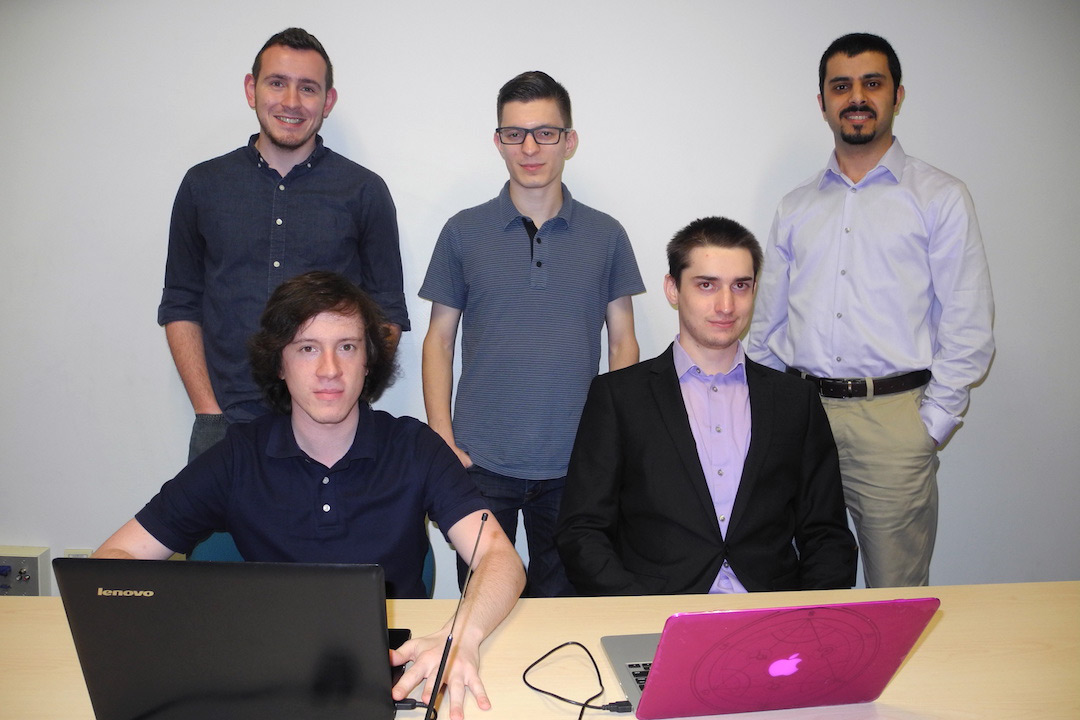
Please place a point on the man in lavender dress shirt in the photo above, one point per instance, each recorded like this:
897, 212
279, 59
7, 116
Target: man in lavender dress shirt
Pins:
700, 470
876, 288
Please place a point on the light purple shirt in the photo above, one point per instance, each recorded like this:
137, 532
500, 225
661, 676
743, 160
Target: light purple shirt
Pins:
719, 410
879, 277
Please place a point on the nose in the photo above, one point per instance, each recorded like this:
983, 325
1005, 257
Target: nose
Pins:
530, 146
328, 366
725, 301
291, 97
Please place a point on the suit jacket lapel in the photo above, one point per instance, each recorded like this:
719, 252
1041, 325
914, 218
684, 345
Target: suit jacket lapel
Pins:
668, 397
762, 409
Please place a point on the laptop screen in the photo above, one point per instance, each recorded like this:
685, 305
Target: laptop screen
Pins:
728, 661
165, 640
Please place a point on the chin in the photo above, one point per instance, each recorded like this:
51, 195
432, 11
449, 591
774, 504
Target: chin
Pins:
858, 138
331, 419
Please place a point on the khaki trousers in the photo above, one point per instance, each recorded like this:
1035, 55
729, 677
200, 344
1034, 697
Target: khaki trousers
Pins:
888, 464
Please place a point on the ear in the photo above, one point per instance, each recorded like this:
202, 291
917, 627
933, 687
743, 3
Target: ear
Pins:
571, 144
671, 291
821, 104
331, 100
249, 89
899, 100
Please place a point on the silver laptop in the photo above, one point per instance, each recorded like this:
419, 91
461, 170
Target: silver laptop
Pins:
161, 640
728, 661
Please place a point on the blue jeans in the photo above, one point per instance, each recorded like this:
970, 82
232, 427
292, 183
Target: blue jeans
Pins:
538, 501
207, 432
209, 429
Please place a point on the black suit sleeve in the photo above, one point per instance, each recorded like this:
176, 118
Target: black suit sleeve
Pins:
589, 513
827, 550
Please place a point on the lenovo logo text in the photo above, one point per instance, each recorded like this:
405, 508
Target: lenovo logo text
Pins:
125, 593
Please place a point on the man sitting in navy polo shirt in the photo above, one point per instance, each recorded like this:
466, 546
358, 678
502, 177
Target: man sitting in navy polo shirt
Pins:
327, 479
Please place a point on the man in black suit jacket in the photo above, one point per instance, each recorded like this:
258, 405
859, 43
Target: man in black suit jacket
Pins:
639, 516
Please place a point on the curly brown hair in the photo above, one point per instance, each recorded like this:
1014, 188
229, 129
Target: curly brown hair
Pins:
292, 305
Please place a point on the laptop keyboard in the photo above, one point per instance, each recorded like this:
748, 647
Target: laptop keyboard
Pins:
640, 671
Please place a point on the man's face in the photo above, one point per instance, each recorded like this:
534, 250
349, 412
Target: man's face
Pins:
532, 165
324, 368
715, 298
289, 96
857, 99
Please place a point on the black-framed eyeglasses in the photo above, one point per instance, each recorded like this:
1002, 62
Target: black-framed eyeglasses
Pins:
543, 135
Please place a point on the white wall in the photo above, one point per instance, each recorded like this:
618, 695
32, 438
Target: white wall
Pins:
684, 108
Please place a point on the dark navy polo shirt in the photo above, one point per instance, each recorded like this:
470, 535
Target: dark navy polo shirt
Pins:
282, 506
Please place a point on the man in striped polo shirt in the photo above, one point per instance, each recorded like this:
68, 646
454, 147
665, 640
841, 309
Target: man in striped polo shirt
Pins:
532, 276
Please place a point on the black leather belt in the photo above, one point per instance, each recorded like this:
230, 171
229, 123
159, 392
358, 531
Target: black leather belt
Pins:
858, 387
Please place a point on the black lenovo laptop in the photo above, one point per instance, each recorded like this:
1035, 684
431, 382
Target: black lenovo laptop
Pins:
164, 640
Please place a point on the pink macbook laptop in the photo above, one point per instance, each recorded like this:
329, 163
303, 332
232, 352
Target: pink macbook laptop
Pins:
730, 661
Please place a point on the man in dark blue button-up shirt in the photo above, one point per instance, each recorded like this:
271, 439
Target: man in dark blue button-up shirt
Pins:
245, 222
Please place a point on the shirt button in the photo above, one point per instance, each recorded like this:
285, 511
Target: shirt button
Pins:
715, 389
720, 472
326, 481
326, 508
279, 221
539, 264
852, 189
277, 263
537, 241
839, 315
280, 187
843, 272
839, 359
723, 518
847, 230
719, 429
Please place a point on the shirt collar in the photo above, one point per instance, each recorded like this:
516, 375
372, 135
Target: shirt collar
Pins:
509, 215
281, 442
891, 164
312, 160
684, 364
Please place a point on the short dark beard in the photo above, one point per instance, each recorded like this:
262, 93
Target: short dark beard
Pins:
292, 145
859, 138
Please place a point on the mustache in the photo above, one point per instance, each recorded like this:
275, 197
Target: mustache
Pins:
858, 109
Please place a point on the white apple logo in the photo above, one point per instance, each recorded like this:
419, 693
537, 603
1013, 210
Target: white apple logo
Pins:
785, 666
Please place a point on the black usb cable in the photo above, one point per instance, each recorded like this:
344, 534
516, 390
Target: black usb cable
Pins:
620, 706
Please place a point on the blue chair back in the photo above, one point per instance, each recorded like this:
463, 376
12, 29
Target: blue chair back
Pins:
219, 547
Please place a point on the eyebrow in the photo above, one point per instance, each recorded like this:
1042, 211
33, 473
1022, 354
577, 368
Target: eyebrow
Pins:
848, 78
714, 278
333, 342
302, 81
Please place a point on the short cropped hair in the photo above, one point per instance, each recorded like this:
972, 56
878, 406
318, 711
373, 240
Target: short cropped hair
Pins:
856, 44
705, 232
535, 85
291, 306
297, 39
